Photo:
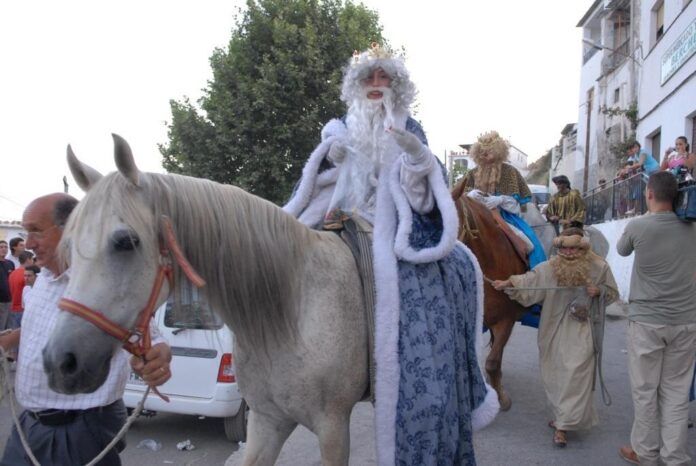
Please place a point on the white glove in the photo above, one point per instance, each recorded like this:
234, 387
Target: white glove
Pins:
510, 204
337, 152
410, 144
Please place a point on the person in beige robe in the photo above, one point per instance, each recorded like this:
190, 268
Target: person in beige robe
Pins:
565, 339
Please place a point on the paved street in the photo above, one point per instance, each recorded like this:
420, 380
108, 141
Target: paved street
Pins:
519, 436
207, 435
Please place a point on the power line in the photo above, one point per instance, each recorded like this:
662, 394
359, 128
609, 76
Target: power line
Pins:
12, 201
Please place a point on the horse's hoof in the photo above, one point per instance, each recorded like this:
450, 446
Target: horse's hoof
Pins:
505, 402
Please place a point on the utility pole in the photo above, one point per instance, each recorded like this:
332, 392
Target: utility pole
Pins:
585, 174
450, 172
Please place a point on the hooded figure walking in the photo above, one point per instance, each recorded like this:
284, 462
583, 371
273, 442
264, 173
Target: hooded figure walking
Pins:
575, 287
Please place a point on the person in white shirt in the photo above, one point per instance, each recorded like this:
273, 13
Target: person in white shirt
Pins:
16, 248
30, 274
65, 429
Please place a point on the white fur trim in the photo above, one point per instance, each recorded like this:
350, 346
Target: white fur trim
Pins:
487, 411
386, 325
333, 130
443, 200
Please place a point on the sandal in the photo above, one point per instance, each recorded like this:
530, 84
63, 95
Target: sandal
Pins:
559, 438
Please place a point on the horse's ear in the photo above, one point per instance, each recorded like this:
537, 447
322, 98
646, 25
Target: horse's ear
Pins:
124, 160
84, 175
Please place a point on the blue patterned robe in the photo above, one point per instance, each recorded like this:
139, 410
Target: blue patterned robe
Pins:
440, 382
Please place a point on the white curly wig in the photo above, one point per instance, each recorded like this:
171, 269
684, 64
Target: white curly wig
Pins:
360, 66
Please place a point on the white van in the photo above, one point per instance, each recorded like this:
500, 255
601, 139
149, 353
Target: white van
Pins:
203, 381
540, 195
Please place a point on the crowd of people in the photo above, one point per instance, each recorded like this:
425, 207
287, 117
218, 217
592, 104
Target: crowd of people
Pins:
623, 196
17, 275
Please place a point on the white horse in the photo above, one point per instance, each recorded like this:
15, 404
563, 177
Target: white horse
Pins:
291, 295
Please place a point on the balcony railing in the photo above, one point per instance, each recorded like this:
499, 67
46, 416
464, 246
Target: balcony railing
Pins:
616, 199
589, 54
619, 54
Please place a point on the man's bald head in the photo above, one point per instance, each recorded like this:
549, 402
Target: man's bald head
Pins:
44, 219
60, 206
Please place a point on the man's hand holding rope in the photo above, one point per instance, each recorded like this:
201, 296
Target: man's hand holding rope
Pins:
154, 369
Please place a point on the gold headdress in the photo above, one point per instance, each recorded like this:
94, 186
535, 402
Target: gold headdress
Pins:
375, 52
491, 142
488, 171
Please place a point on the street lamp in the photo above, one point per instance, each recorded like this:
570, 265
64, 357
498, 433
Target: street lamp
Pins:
604, 47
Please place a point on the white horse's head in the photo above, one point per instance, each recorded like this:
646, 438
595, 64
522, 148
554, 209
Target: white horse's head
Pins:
111, 244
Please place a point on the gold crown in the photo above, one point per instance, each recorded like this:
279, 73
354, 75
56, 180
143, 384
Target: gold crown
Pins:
375, 52
490, 139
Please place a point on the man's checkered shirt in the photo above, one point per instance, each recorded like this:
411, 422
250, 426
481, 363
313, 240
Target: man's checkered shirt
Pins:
31, 383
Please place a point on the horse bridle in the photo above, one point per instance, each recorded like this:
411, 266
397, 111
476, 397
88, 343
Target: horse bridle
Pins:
138, 340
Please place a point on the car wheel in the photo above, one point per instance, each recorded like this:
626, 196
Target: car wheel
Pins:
235, 426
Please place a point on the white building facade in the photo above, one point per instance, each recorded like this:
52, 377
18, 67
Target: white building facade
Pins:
608, 90
563, 156
11, 229
667, 93
638, 81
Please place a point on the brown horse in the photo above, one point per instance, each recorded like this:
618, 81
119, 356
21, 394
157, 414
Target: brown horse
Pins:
498, 259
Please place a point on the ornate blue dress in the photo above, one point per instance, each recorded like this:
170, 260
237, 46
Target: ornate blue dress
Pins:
440, 383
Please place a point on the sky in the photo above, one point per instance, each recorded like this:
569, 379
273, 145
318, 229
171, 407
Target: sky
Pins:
73, 72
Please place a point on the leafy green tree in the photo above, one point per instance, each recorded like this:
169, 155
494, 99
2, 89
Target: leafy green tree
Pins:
459, 171
272, 90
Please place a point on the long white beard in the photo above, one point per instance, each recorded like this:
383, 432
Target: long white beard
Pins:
370, 149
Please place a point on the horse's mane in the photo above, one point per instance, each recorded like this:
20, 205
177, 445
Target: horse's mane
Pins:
247, 249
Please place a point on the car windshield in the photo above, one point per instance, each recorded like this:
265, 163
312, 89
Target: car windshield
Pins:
189, 310
542, 198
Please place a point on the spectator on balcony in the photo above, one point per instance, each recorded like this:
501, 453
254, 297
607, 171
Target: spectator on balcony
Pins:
566, 205
638, 160
678, 156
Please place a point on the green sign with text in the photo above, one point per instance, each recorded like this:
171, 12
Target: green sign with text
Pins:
682, 49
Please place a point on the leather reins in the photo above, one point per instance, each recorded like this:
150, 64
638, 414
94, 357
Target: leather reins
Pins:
138, 341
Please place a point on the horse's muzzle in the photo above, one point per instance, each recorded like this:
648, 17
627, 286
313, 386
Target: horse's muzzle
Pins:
70, 373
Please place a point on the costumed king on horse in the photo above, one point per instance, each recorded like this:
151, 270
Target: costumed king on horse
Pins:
373, 167
575, 287
499, 186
